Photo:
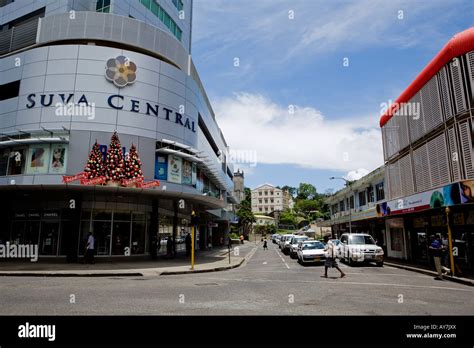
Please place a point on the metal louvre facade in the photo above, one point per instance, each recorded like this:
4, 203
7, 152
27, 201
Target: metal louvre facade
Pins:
430, 136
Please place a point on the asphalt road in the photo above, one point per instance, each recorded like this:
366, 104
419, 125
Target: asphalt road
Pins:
268, 283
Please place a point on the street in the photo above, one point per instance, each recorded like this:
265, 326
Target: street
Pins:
269, 283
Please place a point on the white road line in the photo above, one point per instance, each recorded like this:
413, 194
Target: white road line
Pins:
339, 283
264, 262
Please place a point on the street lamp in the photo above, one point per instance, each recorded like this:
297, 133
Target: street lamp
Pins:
348, 183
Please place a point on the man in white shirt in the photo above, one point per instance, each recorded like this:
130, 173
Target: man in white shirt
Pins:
331, 255
90, 249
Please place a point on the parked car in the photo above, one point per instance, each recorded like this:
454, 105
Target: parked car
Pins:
285, 246
275, 237
311, 251
294, 243
281, 242
337, 244
360, 248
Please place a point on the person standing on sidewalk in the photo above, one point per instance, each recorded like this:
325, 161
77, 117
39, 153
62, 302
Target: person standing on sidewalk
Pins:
436, 249
241, 239
187, 241
265, 247
90, 249
331, 255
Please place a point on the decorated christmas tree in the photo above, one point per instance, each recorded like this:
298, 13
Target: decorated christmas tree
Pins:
133, 167
95, 164
114, 162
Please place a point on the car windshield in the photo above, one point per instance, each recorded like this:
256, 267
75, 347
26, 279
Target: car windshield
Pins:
297, 240
312, 246
335, 241
358, 240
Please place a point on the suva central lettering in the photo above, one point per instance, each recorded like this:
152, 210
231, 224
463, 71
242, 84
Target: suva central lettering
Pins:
115, 101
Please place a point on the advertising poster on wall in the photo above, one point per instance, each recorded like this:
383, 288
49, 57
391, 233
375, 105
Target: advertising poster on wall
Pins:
187, 173
58, 161
449, 195
175, 164
161, 167
38, 159
194, 175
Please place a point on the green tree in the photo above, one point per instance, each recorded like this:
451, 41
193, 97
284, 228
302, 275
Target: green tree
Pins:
306, 191
290, 189
245, 214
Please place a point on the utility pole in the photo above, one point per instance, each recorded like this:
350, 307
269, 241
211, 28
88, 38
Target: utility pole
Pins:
450, 240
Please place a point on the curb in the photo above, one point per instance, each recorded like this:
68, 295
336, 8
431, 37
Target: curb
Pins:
101, 274
216, 269
430, 273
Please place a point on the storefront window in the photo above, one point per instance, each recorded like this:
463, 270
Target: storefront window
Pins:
121, 237
102, 235
49, 238
3, 161
138, 233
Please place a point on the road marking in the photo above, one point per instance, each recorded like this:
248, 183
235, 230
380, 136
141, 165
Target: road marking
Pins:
264, 262
282, 259
346, 282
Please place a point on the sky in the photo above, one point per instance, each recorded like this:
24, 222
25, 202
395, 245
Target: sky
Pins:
298, 86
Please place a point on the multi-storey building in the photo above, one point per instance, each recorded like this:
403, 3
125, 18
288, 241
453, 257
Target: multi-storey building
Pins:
428, 139
267, 199
359, 205
72, 73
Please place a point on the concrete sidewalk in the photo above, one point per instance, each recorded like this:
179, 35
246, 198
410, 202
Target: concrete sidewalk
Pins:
205, 261
419, 269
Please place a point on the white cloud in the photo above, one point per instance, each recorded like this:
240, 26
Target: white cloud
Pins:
304, 137
264, 29
356, 174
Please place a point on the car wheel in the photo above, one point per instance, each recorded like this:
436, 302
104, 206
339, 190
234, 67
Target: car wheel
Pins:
379, 264
292, 255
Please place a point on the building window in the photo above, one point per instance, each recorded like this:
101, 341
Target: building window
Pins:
341, 206
260, 201
271, 200
351, 202
260, 193
260, 209
379, 192
370, 194
178, 4
164, 17
266, 193
103, 6
9, 90
362, 200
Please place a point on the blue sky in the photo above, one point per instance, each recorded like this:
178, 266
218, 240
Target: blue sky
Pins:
291, 101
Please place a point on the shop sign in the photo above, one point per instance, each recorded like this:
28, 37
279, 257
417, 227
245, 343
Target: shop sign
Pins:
452, 194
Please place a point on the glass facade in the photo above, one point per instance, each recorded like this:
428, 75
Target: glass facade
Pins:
164, 17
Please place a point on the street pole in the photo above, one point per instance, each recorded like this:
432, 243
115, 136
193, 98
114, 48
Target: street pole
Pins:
450, 241
192, 247
350, 209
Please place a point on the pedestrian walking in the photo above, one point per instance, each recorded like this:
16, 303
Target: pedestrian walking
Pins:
241, 239
331, 255
90, 248
436, 250
265, 247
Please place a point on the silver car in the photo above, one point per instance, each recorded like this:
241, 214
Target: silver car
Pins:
294, 243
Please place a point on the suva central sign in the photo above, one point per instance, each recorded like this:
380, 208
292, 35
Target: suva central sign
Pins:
114, 101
